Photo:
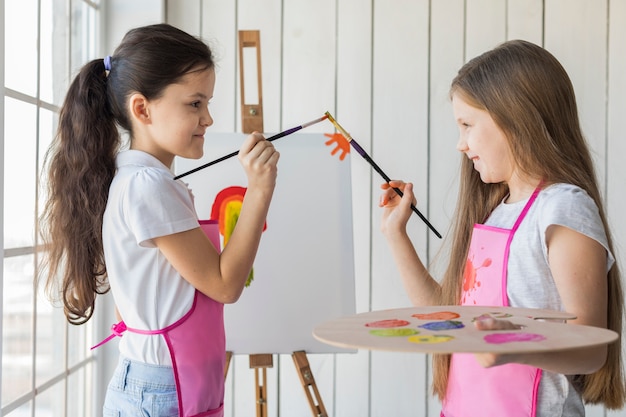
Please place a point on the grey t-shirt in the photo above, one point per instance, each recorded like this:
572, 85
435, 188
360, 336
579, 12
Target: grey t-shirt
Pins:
530, 283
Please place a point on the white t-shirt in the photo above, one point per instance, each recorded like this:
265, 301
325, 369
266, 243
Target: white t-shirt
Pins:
145, 202
529, 281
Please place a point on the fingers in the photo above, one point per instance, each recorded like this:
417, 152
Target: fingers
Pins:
259, 159
256, 149
393, 184
390, 197
489, 323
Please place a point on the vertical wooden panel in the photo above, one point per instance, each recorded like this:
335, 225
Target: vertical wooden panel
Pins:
485, 26
400, 124
121, 16
616, 146
576, 33
308, 88
447, 34
525, 20
264, 16
308, 61
354, 111
185, 16
219, 30
400, 143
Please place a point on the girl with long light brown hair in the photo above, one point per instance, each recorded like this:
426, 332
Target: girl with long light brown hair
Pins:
529, 200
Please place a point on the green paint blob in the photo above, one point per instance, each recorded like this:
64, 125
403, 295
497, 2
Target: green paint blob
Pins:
393, 332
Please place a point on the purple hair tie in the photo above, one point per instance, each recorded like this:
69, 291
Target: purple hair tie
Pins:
107, 63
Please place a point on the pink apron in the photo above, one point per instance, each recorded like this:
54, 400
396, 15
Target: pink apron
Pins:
508, 390
197, 346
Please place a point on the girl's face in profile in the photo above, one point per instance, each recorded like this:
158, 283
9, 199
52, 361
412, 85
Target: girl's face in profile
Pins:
483, 142
180, 117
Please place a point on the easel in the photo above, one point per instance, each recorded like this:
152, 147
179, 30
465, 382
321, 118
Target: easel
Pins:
260, 363
251, 120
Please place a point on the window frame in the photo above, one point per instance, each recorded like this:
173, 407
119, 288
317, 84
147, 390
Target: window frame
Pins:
86, 367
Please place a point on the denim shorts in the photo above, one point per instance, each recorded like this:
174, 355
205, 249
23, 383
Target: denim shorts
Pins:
141, 390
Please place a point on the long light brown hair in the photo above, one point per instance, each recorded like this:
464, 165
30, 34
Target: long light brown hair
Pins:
81, 160
531, 98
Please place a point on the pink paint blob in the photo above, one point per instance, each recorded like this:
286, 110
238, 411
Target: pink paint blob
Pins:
499, 338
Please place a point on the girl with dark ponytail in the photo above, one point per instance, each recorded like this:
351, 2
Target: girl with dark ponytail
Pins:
116, 219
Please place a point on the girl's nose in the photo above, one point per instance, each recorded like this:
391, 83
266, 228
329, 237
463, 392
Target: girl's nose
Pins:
206, 119
461, 144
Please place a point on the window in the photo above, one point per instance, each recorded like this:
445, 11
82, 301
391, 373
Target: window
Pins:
47, 367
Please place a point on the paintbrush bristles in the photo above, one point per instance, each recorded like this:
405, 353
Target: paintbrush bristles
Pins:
315, 121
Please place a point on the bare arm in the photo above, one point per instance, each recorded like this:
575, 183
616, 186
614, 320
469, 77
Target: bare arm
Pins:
222, 276
421, 288
578, 265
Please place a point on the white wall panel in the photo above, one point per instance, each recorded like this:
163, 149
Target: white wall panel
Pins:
186, 18
400, 148
219, 28
576, 33
308, 61
446, 57
485, 26
353, 109
525, 20
308, 90
616, 146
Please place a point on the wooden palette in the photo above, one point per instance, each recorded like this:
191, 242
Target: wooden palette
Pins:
450, 329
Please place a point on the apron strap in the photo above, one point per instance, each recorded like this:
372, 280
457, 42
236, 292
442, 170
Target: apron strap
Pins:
530, 202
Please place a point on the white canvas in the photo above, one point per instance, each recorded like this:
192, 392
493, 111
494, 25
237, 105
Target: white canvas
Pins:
304, 269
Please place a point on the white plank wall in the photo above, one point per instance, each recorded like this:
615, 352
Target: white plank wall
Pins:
383, 69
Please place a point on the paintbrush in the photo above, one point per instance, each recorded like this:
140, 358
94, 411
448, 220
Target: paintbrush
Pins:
364, 154
276, 136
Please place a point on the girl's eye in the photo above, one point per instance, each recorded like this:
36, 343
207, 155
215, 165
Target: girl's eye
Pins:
196, 104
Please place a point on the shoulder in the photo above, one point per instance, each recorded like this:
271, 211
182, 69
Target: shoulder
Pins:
570, 206
140, 174
567, 200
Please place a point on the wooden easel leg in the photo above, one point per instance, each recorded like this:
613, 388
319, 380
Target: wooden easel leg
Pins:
260, 363
308, 383
229, 356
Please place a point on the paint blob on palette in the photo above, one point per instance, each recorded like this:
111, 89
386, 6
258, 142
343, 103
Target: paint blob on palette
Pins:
396, 328
430, 338
388, 323
443, 325
393, 332
451, 329
513, 337
437, 315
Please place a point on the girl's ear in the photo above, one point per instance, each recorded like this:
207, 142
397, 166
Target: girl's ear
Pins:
138, 108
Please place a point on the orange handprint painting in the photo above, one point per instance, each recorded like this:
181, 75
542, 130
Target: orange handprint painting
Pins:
341, 142
226, 208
